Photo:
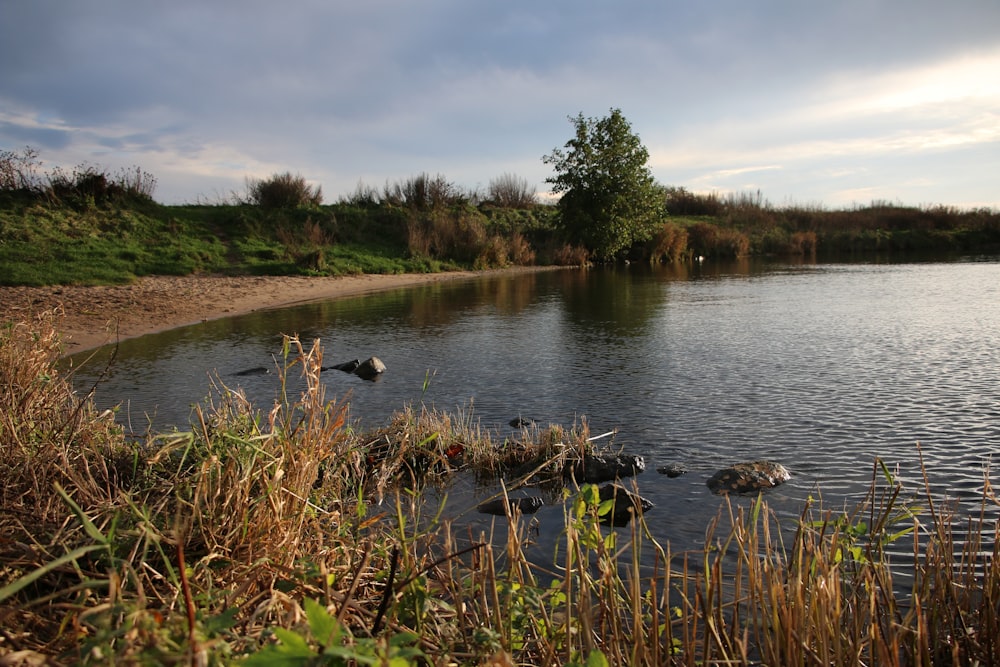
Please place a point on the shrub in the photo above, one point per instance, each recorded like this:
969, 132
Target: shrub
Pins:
88, 186
670, 243
521, 252
510, 191
19, 170
570, 255
714, 241
283, 191
458, 234
364, 196
423, 192
680, 201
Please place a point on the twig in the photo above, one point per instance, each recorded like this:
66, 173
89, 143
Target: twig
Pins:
387, 594
188, 600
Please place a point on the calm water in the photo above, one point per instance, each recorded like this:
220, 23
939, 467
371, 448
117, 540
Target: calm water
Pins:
821, 367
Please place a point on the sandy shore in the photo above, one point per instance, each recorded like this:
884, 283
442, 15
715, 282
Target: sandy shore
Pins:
89, 317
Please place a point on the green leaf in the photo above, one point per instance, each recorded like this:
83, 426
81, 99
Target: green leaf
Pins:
13, 587
597, 659
404, 639
293, 642
272, 656
293, 651
605, 507
322, 625
88, 525
221, 622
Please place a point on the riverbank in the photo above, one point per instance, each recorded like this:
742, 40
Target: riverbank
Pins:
91, 316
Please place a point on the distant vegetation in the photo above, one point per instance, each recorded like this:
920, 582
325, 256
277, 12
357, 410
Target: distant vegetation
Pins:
90, 226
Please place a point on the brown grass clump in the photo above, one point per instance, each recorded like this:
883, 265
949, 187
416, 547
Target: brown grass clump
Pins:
570, 255
670, 243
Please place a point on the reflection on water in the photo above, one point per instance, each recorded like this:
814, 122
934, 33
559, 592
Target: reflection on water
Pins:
820, 367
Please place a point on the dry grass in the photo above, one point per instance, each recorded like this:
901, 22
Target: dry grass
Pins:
285, 536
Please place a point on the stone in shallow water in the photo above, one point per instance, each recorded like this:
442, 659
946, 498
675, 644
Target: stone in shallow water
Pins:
627, 505
597, 468
672, 469
748, 477
497, 506
370, 368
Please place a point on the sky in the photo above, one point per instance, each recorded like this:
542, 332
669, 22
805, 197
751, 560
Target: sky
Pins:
835, 103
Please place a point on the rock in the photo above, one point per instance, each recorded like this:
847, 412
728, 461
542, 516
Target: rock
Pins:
627, 505
347, 366
370, 368
522, 422
498, 506
748, 477
672, 469
256, 370
597, 468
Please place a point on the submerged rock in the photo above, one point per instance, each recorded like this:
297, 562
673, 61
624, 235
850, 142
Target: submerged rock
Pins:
749, 477
369, 369
347, 366
597, 468
672, 469
498, 506
256, 370
627, 505
522, 422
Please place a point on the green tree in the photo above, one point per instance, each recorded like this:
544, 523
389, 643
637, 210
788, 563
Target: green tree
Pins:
610, 199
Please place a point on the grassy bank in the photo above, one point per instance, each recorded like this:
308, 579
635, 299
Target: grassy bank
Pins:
280, 535
94, 228
43, 243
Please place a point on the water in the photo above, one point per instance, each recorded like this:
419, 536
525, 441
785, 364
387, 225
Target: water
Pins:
822, 367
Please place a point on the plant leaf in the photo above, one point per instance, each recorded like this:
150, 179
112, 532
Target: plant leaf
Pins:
15, 586
323, 626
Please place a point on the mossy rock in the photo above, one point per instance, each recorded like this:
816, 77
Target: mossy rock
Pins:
750, 477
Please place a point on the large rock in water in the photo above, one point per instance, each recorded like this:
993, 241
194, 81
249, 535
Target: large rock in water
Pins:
597, 468
749, 477
370, 368
347, 366
627, 505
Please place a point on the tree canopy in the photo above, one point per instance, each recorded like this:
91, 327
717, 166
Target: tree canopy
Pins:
610, 199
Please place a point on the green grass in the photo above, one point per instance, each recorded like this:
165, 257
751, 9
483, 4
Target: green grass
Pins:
114, 243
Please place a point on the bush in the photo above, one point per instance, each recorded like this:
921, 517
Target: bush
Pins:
713, 241
570, 255
670, 243
19, 170
283, 191
424, 193
88, 186
510, 191
680, 201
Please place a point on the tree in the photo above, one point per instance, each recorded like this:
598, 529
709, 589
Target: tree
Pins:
610, 200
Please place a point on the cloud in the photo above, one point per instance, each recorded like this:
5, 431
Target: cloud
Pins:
384, 89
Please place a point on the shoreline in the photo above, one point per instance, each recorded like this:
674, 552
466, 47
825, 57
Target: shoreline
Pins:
88, 317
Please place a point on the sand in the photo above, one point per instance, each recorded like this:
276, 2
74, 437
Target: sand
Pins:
89, 316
